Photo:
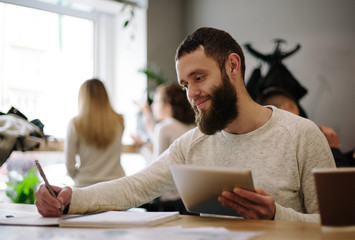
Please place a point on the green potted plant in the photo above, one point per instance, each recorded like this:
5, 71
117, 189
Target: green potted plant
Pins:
21, 189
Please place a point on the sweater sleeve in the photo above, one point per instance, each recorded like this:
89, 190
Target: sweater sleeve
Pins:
290, 215
312, 151
127, 192
71, 150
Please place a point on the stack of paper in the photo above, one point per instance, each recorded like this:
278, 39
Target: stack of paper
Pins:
119, 219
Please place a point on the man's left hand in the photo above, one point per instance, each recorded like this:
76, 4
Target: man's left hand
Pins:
250, 205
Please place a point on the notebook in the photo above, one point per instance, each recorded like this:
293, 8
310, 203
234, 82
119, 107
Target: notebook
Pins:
119, 219
20, 218
200, 186
336, 197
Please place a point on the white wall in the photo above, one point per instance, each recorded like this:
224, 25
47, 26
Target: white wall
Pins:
325, 65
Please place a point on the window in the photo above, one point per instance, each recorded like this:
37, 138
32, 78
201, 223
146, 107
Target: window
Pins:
48, 50
44, 60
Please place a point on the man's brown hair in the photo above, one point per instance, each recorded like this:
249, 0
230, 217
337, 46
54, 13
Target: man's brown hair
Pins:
218, 45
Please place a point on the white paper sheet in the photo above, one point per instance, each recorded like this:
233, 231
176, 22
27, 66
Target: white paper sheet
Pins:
13, 217
156, 233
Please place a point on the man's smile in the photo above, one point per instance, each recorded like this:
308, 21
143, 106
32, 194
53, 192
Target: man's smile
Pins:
199, 103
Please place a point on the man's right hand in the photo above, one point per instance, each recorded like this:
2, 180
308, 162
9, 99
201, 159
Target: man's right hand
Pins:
47, 205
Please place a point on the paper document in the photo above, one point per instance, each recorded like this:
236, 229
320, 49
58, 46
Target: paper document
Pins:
119, 219
110, 219
156, 233
12, 217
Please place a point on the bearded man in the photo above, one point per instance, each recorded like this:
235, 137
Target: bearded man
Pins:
232, 131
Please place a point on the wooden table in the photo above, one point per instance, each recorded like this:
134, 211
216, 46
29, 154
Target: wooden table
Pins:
272, 230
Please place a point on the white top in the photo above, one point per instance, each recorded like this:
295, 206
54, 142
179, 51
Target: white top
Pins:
281, 155
93, 165
165, 133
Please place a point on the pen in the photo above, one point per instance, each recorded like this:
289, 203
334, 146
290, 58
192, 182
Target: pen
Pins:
50, 189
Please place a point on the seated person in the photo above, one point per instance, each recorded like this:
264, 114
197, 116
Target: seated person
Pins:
174, 116
280, 98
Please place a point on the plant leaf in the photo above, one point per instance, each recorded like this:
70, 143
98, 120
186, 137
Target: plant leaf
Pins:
126, 23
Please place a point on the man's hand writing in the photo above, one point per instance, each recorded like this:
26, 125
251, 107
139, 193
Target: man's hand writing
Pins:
250, 205
49, 206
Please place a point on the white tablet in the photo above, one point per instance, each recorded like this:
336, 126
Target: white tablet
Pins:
200, 186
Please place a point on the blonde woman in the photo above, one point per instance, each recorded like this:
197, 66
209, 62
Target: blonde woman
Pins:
93, 143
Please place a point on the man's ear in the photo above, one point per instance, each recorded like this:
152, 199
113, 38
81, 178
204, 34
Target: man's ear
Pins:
234, 63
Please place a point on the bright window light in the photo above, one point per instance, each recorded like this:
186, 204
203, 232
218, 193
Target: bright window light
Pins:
44, 58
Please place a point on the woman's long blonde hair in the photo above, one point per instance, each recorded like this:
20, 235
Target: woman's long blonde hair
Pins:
97, 123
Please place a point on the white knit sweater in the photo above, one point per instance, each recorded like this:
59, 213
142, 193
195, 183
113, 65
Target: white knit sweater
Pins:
281, 155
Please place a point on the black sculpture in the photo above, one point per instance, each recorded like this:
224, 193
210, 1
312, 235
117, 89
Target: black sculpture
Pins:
278, 75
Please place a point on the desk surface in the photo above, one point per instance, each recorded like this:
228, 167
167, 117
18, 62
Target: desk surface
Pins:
271, 229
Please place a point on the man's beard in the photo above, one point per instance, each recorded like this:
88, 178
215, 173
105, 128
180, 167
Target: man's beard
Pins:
223, 108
